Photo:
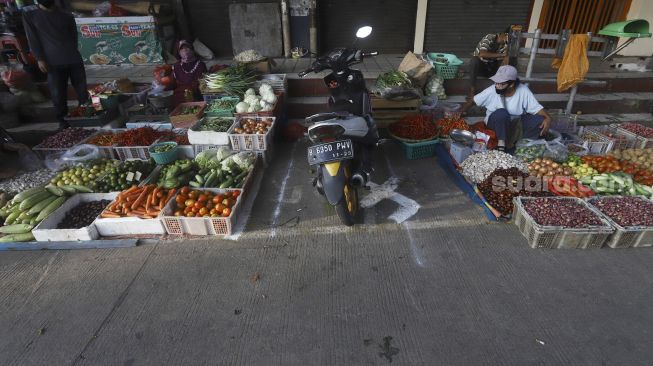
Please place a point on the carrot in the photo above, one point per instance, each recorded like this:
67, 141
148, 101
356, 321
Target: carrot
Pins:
139, 212
130, 190
134, 214
154, 193
140, 199
171, 193
148, 203
109, 215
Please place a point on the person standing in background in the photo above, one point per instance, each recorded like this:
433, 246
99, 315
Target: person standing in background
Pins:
52, 36
490, 53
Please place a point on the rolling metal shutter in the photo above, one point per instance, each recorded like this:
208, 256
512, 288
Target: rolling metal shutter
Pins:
393, 22
457, 26
209, 21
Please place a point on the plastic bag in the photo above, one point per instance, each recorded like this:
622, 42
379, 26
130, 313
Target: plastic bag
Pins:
81, 153
202, 50
28, 160
417, 69
528, 150
435, 86
398, 93
556, 152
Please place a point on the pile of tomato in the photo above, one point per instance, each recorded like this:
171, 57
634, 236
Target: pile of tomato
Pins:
197, 203
610, 164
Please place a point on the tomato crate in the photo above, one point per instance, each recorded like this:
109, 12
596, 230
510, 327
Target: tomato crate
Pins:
179, 225
255, 142
625, 237
179, 120
558, 237
622, 139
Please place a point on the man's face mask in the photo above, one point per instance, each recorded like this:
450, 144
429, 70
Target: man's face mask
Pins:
502, 88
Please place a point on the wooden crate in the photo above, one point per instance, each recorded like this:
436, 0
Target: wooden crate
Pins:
387, 111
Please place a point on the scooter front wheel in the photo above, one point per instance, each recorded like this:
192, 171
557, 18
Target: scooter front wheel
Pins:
348, 206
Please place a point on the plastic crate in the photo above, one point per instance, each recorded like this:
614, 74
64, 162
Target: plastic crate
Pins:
564, 122
622, 139
42, 152
419, 150
132, 152
177, 225
278, 82
626, 237
600, 144
635, 141
446, 65
240, 142
209, 97
557, 237
222, 112
105, 151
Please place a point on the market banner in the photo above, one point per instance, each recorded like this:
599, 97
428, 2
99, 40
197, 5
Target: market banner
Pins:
119, 40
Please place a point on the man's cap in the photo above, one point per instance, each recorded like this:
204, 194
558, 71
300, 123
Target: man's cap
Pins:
504, 74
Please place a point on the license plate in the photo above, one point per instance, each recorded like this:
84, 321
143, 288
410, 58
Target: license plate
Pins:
332, 151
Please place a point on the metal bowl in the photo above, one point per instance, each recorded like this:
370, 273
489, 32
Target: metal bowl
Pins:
462, 136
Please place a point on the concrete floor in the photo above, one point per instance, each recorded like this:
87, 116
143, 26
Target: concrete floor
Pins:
445, 287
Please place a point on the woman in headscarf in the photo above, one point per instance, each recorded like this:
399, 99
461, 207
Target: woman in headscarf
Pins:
187, 73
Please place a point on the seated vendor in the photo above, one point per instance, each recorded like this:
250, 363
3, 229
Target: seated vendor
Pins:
490, 53
512, 111
187, 73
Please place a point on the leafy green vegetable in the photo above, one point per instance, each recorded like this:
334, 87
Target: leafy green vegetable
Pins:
393, 79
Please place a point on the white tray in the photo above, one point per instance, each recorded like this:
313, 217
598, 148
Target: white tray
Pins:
209, 137
47, 229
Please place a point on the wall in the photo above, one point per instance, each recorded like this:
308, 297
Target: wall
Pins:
639, 9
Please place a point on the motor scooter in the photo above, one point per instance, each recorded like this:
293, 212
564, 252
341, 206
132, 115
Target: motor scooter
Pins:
344, 138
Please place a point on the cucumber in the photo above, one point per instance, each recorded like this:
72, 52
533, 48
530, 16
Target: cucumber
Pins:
226, 183
195, 185
55, 190
81, 189
17, 238
41, 205
12, 217
33, 200
68, 189
50, 208
199, 179
20, 197
16, 229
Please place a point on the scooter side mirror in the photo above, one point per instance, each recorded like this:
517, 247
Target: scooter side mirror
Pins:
364, 32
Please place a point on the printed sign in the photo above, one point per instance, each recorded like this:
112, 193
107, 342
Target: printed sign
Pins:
114, 41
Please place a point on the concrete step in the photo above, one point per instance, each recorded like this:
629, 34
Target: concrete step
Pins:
601, 103
315, 87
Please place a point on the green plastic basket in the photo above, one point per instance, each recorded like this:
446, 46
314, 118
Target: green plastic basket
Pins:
222, 112
419, 150
446, 64
166, 157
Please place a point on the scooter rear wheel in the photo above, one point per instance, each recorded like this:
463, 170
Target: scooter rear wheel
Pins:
348, 207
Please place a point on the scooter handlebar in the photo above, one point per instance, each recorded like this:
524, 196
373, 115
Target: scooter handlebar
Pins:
368, 54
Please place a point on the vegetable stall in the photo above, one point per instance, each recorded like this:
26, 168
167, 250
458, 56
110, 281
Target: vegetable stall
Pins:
584, 189
103, 185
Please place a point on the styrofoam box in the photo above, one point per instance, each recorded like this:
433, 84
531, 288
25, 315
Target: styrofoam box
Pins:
129, 226
209, 137
47, 229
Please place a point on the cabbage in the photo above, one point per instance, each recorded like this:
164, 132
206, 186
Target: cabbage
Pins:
251, 99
